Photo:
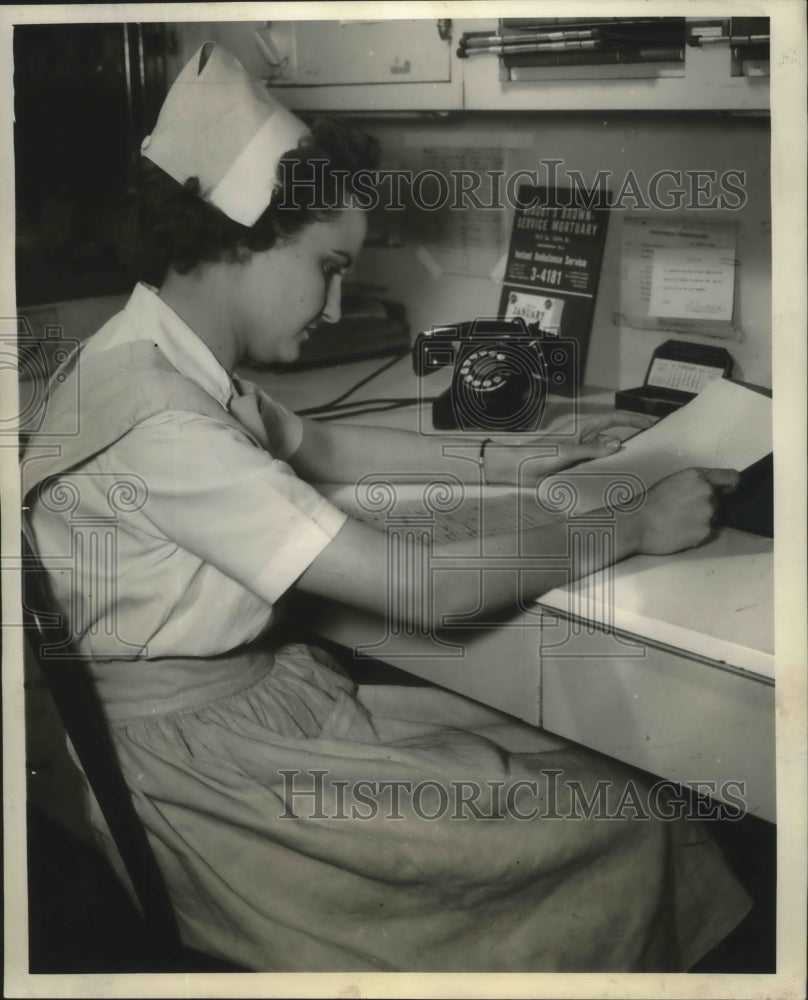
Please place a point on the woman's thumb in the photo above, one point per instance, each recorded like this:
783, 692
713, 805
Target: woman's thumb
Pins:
594, 449
606, 446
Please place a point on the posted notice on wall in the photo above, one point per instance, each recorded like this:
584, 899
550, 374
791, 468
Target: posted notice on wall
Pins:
553, 265
467, 243
678, 275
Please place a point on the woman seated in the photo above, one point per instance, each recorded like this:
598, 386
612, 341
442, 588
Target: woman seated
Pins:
279, 797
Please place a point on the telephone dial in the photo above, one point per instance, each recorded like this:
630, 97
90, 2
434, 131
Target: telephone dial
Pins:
503, 372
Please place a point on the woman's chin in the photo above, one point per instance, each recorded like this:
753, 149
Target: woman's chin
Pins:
290, 351
268, 359
281, 352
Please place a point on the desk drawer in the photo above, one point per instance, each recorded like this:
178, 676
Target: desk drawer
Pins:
672, 715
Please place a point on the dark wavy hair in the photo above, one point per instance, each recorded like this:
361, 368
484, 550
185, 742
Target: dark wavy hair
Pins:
168, 225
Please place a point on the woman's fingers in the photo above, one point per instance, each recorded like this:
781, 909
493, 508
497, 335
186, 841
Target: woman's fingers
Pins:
725, 480
571, 454
592, 426
622, 418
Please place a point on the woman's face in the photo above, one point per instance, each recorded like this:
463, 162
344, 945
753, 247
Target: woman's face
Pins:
279, 293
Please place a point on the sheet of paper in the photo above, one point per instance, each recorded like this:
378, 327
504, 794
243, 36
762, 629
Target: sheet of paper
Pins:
726, 426
676, 275
692, 283
467, 242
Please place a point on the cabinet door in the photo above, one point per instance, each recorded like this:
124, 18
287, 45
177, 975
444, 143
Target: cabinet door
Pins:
350, 52
347, 66
684, 719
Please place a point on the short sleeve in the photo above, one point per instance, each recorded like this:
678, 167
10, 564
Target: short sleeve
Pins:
284, 428
235, 506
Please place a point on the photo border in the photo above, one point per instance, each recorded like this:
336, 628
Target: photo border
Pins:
788, 88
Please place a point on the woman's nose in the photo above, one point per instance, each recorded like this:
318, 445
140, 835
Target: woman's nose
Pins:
332, 310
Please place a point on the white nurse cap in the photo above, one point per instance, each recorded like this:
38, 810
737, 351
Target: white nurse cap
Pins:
220, 125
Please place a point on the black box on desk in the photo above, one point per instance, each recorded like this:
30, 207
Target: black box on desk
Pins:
750, 507
678, 371
368, 328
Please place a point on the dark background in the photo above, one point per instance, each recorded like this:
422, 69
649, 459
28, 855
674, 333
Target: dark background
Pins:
85, 95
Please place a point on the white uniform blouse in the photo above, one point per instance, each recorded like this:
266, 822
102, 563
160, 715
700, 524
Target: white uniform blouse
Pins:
225, 530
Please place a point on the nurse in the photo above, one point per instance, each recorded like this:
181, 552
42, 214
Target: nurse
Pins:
303, 823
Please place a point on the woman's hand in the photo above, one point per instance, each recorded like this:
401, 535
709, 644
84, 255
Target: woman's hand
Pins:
586, 430
678, 511
566, 444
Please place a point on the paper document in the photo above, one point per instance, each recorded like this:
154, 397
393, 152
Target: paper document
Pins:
468, 243
692, 283
678, 275
725, 427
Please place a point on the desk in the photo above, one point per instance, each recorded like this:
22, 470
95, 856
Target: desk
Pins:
676, 674
666, 663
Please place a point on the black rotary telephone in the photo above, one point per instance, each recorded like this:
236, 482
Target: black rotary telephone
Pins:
504, 369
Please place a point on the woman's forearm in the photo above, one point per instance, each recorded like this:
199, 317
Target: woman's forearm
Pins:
549, 557
400, 579
397, 576
343, 453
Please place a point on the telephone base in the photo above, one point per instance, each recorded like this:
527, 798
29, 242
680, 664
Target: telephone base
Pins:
449, 415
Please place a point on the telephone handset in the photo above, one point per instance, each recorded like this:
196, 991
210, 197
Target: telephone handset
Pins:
504, 369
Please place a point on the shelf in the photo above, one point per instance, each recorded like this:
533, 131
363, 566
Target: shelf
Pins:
706, 84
